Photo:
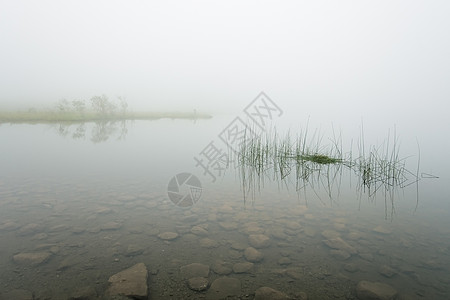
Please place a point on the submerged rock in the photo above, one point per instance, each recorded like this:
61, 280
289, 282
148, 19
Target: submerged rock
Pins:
293, 225
221, 268
234, 254
295, 273
226, 208
194, 270
340, 244
354, 235
339, 226
103, 210
366, 290
113, 225
228, 225
310, 232
9, 225
224, 287
267, 293
77, 230
131, 282
84, 293
351, 267
252, 228
208, 243
340, 254
31, 258
68, 262
40, 236
279, 233
259, 240
30, 229
189, 218
284, 261
387, 271
243, 267
168, 236
134, 250
237, 246
198, 283
330, 234
198, 230
58, 228
382, 229
253, 255
17, 295
366, 256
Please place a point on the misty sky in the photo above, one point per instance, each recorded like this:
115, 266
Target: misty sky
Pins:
214, 56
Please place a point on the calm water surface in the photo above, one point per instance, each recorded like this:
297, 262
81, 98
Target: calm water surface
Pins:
91, 201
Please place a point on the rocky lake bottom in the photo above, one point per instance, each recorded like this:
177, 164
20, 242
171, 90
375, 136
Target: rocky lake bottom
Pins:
127, 240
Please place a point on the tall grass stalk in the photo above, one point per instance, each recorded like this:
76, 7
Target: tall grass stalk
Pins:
379, 169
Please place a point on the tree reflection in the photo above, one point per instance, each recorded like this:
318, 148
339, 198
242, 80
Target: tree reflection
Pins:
97, 132
102, 131
79, 132
63, 130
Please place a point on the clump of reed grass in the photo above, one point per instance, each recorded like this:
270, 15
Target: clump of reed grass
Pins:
269, 155
320, 159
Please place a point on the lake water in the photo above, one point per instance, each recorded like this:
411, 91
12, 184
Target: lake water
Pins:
79, 204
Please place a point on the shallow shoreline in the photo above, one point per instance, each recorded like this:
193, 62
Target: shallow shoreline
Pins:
19, 117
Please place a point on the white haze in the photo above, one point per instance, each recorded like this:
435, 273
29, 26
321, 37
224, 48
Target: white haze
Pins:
218, 55
340, 62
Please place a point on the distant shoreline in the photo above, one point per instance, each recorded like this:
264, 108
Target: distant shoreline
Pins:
18, 117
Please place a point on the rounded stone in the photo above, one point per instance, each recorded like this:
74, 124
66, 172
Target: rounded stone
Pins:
259, 240
221, 268
131, 282
284, 261
267, 293
198, 283
32, 259
224, 287
208, 243
253, 255
366, 290
194, 270
243, 267
198, 230
168, 236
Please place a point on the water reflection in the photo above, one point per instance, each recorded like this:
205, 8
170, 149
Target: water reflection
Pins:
376, 169
97, 132
115, 213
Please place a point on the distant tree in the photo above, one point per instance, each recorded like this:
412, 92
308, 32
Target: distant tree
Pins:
102, 105
79, 106
123, 105
63, 105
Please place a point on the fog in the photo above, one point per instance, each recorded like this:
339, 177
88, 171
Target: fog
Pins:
316, 56
385, 63
87, 192
343, 63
